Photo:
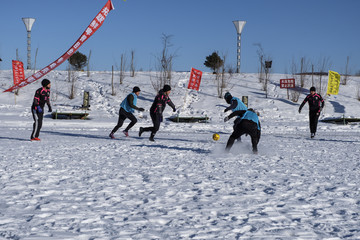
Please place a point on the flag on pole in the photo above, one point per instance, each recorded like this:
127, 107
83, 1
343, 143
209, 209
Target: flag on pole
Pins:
18, 71
195, 79
90, 30
333, 83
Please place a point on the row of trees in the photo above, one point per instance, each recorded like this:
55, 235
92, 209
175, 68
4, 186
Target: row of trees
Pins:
164, 66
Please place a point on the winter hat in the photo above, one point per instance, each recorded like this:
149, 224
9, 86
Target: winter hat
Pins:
136, 89
312, 89
228, 97
166, 88
45, 82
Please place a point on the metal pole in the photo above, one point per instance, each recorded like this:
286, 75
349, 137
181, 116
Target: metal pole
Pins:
28, 50
28, 24
239, 25
238, 52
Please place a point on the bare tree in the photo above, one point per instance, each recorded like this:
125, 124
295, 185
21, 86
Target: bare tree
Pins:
304, 66
346, 73
294, 93
113, 93
164, 63
261, 57
132, 64
323, 65
88, 65
264, 71
223, 77
122, 68
72, 78
36, 53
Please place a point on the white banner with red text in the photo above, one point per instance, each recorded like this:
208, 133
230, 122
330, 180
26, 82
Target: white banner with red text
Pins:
90, 30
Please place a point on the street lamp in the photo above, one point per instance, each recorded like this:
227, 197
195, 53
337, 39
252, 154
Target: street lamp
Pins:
239, 25
28, 24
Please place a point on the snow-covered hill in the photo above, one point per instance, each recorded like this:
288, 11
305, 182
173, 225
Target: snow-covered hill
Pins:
77, 183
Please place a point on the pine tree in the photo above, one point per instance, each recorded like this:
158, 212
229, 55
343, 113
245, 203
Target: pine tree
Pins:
78, 61
214, 62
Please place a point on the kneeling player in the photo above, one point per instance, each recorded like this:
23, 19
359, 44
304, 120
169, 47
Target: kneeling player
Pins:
248, 124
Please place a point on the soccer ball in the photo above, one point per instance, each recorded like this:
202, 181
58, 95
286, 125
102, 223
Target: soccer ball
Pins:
216, 136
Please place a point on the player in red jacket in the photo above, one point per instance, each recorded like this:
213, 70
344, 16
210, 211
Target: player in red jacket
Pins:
156, 111
42, 96
316, 104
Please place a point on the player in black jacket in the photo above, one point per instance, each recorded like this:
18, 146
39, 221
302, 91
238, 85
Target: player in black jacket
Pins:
42, 96
157, 109
316, 104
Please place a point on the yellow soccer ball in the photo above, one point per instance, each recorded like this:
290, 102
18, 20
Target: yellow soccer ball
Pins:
216, 136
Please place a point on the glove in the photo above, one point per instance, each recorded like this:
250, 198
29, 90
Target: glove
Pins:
226, 119
50, 109
174, 109
141, 109
299, 110
39, 109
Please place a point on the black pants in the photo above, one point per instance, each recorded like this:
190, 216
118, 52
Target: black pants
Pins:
313, 119
156, 119
38, 119
122, 116
245, 127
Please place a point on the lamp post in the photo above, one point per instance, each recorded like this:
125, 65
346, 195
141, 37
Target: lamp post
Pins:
239, 25
28, 24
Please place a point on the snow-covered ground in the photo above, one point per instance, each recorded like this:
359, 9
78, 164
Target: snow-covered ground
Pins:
77, 183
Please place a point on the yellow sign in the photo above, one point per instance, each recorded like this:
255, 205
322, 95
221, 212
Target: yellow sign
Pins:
333, 83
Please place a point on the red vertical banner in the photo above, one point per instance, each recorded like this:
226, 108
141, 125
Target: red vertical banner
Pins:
195, 79
18, 71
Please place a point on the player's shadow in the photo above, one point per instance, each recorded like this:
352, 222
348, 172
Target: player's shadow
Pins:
197, 150
74, 134
14, 138
338, 107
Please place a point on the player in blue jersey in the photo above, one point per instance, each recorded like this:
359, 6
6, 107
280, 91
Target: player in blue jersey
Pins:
127, 107
248, 124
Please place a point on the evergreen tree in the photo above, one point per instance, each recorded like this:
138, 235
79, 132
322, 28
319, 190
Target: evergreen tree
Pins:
214, 62
78, 61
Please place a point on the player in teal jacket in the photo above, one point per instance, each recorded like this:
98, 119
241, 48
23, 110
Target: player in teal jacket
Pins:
127, 107
249, 124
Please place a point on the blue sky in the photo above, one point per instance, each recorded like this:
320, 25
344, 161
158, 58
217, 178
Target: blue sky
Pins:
287, 30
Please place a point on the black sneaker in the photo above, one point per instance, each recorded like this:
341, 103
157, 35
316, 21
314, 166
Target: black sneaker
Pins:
151, 138
312, 135
141, 131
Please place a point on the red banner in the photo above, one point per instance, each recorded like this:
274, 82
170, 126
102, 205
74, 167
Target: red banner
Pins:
18, 71
90, 30
195, 79
287, 83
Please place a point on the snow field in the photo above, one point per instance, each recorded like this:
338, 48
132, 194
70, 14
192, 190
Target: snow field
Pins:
77, 183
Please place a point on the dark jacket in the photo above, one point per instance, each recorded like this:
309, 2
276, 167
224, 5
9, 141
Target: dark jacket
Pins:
316, 102
160, 102
42, 96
